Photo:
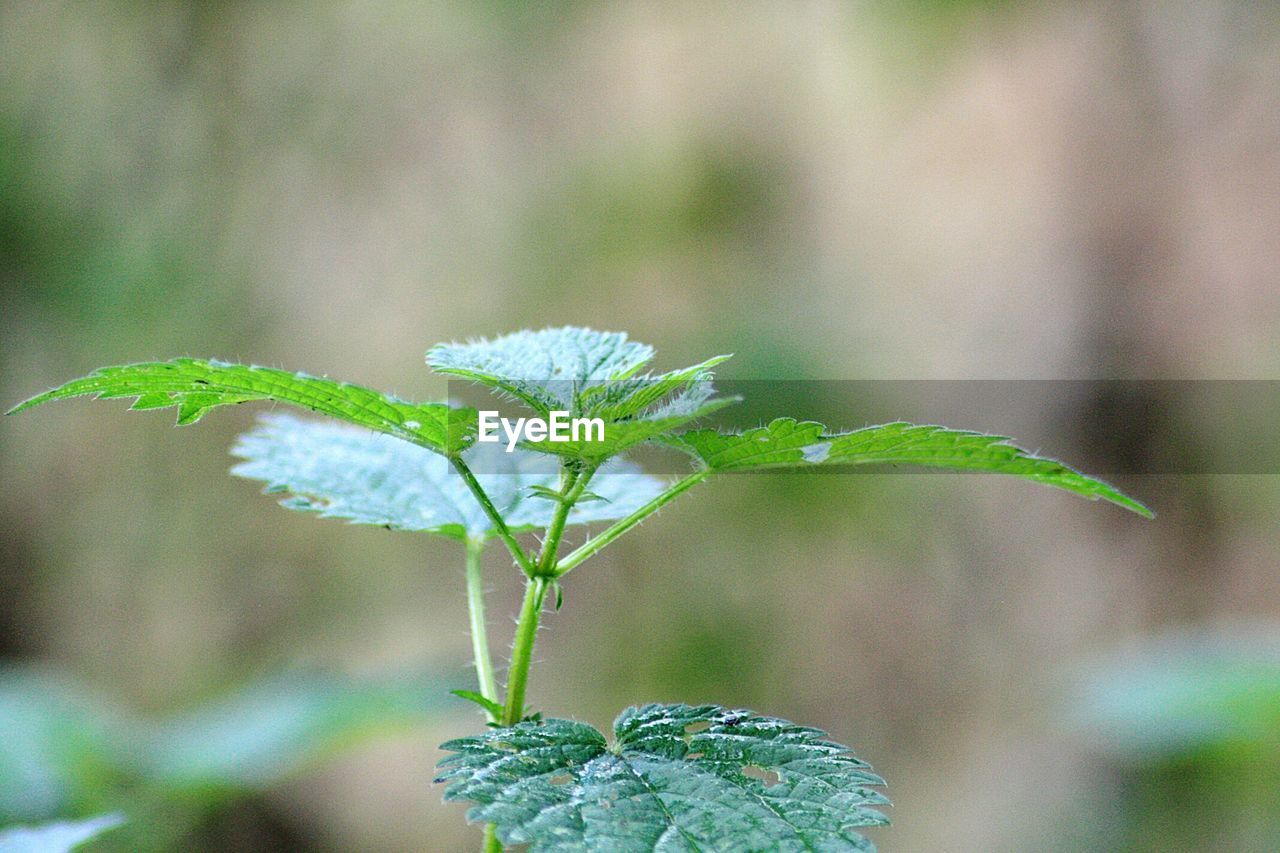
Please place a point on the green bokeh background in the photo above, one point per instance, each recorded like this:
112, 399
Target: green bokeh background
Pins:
830, 190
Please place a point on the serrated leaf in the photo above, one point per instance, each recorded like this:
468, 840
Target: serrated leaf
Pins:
630, 397
787, 442
196, 385
343, 472
676, 778
620, 436
57, 836
588, 374
546, 369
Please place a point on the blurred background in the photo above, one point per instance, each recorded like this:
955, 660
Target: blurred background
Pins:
832, 190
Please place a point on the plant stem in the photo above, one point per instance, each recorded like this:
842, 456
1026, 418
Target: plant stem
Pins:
491, 842
522, 651
490, 510
575, 483
596, 543
479, 632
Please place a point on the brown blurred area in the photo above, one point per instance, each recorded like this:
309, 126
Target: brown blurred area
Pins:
829, 190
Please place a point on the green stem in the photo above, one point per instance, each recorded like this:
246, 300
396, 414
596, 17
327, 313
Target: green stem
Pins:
495, 517
491, 842
479, 632
575, 483
522, 651
593, 545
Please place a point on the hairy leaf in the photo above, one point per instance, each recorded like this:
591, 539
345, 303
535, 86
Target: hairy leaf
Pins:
786, 442
622, 435
589, 374
546, 369
57, 836
342, 472
627, 398
196, 385
676, 778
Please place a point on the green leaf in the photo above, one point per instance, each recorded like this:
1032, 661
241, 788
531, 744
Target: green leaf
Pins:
626, 398
273, 728
59, 740
546, 369
789, 443
589, 374
620, 436
492, 707
342, 472
196, 385
58, 836
1212, 693
63, 745
676, 778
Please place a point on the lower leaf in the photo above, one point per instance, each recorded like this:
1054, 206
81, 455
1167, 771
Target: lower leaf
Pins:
676, 777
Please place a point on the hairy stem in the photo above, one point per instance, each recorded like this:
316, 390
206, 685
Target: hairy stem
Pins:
491, 511
522, 651
575, 483
479, 632
596, 543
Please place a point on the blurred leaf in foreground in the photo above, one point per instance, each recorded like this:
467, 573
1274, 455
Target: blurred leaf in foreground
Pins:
1188, 692
66, 749
1189, 725
56, 837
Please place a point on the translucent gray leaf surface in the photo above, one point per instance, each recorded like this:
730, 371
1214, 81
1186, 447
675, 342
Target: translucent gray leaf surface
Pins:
367, 478
545, 369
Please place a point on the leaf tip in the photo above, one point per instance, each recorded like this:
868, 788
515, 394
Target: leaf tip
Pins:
29, 403
1138, 507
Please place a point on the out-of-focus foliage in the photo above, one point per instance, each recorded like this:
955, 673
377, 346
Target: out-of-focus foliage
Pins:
56, 836
69, 750
1189, 693
1191, 723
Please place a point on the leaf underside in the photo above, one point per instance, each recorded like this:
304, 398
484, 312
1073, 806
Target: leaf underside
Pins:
786, 442
546, 369
196, 385
677, 778
589, 374
339, 471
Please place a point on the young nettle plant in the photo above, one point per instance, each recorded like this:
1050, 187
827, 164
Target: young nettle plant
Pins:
671, 777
